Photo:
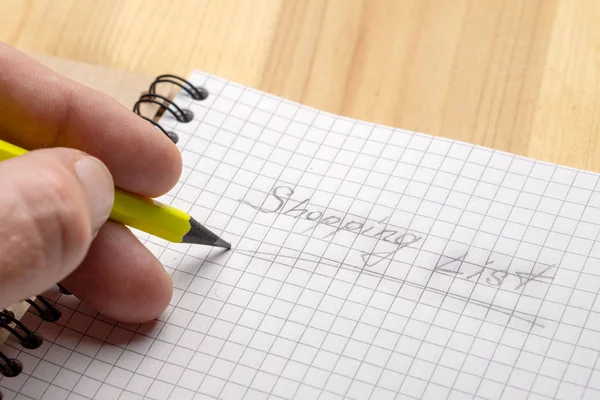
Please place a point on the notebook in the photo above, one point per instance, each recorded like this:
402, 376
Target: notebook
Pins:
367, 262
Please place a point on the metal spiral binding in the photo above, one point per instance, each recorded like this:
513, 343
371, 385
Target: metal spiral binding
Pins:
63, 289
171, 135
196, 93
9, 367
27, 338
166, 105
46, 311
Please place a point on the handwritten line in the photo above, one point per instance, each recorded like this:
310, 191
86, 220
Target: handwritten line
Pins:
503, 310
282, 195
524, 277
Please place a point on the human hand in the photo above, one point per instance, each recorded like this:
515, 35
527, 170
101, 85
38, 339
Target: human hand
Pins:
55, 200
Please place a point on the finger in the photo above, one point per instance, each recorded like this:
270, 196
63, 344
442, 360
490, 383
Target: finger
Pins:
39, 108
52, 203
120, 278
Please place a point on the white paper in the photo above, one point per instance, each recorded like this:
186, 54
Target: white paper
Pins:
367, 263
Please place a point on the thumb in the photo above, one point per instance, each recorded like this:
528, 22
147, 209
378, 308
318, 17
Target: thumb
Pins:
52, 203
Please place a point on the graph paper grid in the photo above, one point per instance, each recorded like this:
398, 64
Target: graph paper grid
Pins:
367, 263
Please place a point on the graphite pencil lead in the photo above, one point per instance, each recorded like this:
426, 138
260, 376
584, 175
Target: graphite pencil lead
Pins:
221, 243
199, 234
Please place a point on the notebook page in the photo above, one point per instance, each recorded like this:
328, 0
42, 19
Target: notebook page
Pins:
366, 263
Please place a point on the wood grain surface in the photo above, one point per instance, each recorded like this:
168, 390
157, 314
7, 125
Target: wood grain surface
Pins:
519, 76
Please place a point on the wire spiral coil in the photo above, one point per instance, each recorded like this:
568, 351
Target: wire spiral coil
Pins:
27, 338
167, 105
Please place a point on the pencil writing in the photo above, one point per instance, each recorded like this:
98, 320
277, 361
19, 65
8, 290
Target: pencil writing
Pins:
280, 201
457, 266
291, 260
281, 195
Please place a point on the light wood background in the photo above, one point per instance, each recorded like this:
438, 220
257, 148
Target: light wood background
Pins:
519, 76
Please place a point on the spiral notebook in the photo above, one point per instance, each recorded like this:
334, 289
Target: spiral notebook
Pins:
368, 262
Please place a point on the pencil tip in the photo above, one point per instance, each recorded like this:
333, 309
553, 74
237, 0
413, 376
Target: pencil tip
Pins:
221, 243
199, 234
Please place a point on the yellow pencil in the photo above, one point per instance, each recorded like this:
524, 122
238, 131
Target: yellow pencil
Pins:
147, 215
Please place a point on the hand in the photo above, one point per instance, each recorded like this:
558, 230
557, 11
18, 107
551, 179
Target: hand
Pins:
55, 200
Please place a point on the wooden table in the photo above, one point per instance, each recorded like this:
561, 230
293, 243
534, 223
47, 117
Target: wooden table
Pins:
519, 76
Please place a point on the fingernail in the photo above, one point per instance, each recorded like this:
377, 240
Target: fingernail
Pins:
99, 188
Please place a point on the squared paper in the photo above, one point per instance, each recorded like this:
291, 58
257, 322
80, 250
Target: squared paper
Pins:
367, 263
